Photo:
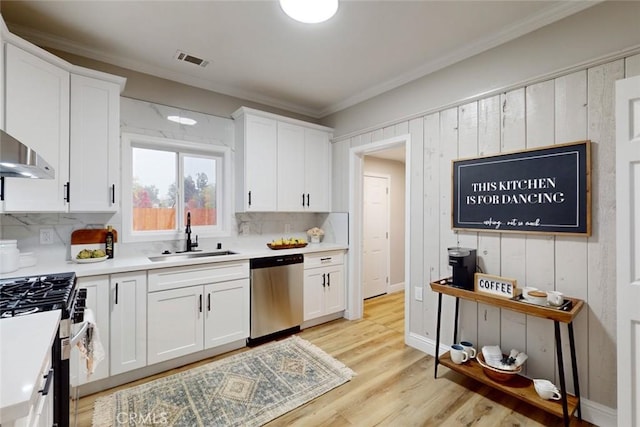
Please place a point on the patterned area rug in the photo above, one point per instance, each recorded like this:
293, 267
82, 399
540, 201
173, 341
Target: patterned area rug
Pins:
246, 389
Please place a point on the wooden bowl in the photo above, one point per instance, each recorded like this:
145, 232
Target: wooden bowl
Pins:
496, 374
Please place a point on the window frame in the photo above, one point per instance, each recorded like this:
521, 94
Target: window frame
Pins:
181, 148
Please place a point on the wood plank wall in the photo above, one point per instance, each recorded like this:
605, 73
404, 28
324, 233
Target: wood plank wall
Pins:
572, 107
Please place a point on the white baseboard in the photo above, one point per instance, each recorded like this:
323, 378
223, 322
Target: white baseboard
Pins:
593, 412
396, 287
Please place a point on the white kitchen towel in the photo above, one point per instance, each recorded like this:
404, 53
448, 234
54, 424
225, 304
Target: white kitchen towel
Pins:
90, 345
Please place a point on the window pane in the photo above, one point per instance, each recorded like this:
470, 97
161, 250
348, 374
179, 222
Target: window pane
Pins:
154, 190
200, 190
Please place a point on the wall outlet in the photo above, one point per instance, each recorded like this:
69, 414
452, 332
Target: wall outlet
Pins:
287, 228
46, 236
418, 293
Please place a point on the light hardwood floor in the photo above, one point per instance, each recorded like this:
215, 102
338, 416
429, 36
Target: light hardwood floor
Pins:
394, 384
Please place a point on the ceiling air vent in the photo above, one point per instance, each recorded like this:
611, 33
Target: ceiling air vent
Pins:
185, 57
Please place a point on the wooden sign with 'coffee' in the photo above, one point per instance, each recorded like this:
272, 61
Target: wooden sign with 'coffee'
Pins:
495, 285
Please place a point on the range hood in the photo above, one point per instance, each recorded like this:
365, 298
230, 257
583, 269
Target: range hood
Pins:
19, 161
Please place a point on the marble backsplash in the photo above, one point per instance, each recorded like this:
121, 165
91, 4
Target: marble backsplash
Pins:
247, 229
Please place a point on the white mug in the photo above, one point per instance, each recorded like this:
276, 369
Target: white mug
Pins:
468, 348
546, 389
555, 298
458, 355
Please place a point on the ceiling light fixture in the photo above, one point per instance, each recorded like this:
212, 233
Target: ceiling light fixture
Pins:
182, 120
310, 11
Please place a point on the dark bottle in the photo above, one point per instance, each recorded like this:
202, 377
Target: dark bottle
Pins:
109, 242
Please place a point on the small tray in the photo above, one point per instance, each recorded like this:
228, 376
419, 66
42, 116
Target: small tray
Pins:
291, 246
89, 260
565, 306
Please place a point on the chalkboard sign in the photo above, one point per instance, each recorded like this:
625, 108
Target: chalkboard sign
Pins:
544, 190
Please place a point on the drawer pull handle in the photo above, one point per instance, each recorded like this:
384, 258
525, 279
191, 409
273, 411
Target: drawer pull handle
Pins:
325, 259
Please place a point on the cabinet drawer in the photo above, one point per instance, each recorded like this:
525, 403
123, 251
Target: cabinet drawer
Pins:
322, 259
180, 277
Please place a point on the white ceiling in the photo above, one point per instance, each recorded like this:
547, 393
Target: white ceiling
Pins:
259, 54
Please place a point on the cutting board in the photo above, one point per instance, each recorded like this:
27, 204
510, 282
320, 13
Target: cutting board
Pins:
85, 236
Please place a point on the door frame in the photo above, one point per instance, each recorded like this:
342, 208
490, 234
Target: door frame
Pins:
355, 304
628, 330
388, 225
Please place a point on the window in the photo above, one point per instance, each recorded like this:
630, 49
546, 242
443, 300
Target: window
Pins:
168, 179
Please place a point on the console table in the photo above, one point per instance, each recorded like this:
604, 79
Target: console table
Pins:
520, 387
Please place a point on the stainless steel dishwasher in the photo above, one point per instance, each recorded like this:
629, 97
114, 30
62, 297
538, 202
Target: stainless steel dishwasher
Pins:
276, 296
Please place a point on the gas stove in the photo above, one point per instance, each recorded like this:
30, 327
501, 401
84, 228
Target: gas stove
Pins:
22, 296
32, 294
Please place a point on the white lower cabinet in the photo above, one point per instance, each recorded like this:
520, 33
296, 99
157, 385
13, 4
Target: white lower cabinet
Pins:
227, 312
119, 303
175, 323
208, 307
323, 284
98, 301
128, 322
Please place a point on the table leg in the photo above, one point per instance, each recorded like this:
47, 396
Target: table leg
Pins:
455, 321
563, 387
574, 366
435, 373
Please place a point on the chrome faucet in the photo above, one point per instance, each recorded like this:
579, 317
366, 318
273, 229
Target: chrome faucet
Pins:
190, 244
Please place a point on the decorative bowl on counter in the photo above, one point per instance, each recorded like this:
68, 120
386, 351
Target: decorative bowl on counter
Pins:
496, 374
286, 246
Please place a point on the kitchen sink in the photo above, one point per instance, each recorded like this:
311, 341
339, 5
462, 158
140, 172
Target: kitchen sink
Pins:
189, 255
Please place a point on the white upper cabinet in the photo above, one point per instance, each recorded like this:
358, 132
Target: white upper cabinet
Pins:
256, 163
304, 169
71, 117
317, 170
282, 164
291, 168
37, 113
95, 141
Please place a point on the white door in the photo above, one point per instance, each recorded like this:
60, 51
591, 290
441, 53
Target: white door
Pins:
261, 141
175, 323
128, 322
375, 229
37, 113
317, 170
226, 312
628, 248
291, 166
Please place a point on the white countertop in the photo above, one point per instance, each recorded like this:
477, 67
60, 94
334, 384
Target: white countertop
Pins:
25, 343
121, 264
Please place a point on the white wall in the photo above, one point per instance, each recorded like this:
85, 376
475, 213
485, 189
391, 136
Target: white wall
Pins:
537, 111
598, 32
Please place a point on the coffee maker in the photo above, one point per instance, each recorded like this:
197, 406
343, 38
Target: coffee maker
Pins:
463, 261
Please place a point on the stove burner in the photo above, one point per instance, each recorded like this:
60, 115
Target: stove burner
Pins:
25, 295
